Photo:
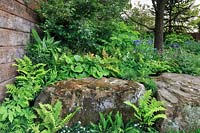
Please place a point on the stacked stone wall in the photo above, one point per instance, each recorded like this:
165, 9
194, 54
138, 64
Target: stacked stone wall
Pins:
17, 18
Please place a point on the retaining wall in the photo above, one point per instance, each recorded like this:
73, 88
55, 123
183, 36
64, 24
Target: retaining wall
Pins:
17, 18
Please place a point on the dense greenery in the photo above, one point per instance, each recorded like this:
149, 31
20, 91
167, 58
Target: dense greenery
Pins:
180, 16
144, 120
89, 39
80, 25
145, 113
16, 113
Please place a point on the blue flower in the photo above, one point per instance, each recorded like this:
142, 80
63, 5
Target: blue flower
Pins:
188, 42
137, 42
175, 45
150, 42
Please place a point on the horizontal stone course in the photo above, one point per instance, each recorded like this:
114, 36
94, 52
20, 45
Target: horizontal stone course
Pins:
13, 38
17, 18
9, 21
9, 54
7, 71
32, 4
18, 9
3, 88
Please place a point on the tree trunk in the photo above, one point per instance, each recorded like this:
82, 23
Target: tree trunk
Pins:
170, 17
159, 25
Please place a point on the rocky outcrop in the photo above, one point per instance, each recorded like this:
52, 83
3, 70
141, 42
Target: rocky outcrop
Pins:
181, 94
93, 95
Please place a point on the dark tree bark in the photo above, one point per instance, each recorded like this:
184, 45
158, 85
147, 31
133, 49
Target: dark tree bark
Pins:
170, 18
159, 6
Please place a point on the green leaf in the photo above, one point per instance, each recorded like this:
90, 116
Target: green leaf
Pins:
154, 110
3, 110
132, 105
10, 116
68, 60
100, 74
57, 110
159, 116
36, 36
78, 58
77, 68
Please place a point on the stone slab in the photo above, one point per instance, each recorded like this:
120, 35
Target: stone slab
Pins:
9, 54
3, 88
18, 9
7, 71
181, 95
13, 38
9, 21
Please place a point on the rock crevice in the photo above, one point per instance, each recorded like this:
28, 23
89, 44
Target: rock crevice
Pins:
181, 95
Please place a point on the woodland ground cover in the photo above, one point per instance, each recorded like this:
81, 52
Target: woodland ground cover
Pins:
77, 44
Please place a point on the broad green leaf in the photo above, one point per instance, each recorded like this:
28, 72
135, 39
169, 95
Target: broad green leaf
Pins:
77, 68
68, 60
10, 116
100, 74
36, 36
78, 58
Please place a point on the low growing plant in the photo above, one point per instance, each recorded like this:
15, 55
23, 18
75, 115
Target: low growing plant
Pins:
148, 111
110, 124
76, 128
178, 39
107, 124
15, 112
49, 118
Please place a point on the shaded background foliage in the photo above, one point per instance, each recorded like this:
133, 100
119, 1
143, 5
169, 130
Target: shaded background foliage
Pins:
79, 24
89, 39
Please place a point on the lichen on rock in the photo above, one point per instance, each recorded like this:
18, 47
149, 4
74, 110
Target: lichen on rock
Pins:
93, 95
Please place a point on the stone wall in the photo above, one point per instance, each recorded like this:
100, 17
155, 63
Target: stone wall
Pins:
17, 18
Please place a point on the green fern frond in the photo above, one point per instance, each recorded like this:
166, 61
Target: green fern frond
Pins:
11, 88
159, 116
152, 112
50, 117
68, 118
146, 112
21, 78
145, 100
132, 105
57, 109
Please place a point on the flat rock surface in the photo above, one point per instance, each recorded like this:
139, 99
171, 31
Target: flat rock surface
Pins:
181, 94
94, 96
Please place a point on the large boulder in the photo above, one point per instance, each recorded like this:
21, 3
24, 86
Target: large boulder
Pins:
93, 95
181, 94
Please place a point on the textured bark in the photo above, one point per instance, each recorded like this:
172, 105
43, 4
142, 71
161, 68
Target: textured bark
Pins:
159, 24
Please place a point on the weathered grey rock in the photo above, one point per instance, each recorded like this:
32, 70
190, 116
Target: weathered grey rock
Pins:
93, 95
181, 94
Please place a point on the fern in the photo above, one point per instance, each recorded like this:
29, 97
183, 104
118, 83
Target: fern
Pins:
29, 72
15, 112
148, 110
50, 121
